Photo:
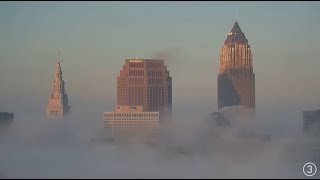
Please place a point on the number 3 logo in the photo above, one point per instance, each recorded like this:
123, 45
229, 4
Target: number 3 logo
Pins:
309, 169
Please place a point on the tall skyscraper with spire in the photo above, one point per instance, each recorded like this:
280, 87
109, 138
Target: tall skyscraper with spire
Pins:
236, 80
58, 102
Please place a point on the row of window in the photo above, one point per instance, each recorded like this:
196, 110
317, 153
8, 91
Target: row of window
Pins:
141, 73
136, 65
122, 127
136, 81
134, 125
135, 130
54, 113
136, 72
153, 65
244, 53
154, 73
155, 81
125, 131
132, 115
131, 122
119, 120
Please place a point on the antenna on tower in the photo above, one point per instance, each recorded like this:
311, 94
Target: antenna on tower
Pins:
237, 15
59, 55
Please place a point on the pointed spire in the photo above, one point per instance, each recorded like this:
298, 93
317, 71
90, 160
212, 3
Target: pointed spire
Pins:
59, 60
236, 28
236, 35
58, 66
59, 55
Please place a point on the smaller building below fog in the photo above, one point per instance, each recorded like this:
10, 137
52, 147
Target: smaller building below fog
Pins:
131, 119
311, 122
6, 117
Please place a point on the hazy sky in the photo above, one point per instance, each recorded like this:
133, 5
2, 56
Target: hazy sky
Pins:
96, 38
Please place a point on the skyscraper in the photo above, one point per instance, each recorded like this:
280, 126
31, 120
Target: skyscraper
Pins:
311, 132
311, 122
236, 80
58, 102
145, 82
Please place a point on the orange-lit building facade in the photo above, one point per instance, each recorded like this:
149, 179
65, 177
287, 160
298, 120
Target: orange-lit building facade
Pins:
131, 119
236, 80
58, 105
146, 83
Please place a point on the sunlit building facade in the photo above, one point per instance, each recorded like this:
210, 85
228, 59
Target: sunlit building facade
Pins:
146, 83
58, 105
236, 80
131, 119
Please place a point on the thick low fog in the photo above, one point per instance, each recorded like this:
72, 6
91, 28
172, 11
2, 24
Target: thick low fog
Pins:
191, 147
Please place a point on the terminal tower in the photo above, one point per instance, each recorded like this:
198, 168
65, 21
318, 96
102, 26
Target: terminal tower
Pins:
58, 102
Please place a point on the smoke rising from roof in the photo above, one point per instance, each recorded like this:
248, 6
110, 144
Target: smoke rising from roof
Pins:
170, 55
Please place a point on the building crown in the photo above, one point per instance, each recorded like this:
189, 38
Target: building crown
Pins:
236, 36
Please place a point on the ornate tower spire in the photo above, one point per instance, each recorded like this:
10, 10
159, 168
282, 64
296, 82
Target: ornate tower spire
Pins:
236, 36
58, 102
58, 74
59, 56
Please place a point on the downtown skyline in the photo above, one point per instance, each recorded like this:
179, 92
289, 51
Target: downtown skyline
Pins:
105, 60
95, 41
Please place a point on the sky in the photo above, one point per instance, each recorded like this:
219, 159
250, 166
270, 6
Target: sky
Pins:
97, 37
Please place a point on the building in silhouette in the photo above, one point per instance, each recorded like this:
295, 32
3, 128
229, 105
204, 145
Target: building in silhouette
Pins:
131, 119
236, 80
146, 83
311, 132
219, 120
311, 122
6, 117
58, 105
